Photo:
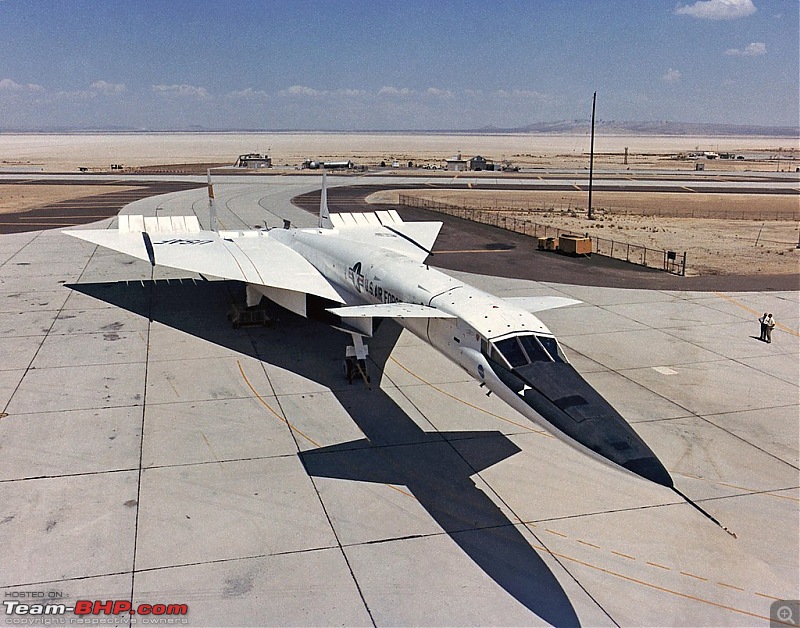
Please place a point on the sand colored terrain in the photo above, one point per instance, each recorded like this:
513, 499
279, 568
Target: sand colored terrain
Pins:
15, 197
749, 243
68, 152
723, 233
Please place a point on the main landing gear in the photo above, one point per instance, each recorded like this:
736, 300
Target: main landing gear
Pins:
355, 361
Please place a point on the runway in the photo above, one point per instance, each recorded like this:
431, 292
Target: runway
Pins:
152, 453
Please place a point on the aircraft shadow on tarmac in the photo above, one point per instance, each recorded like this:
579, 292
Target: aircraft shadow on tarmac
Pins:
436, 467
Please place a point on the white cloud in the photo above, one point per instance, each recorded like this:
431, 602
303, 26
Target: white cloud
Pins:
671, 76
182, 91
752, 50
717, 9
439, 93
249, 93
388, 90
105, 87
301, 90
521, 93
7, 85
310, 92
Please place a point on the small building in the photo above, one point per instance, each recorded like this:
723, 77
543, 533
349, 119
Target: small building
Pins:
480, 163
456, 164
253, 160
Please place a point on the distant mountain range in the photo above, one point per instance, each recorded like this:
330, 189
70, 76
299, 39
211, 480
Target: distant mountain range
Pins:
616, 127
564, 127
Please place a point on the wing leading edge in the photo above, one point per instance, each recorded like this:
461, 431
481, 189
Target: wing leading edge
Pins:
249, 256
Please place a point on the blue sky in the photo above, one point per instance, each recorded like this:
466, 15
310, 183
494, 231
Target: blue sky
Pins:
379, 65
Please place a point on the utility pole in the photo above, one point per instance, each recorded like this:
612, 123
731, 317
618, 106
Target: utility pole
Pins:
591, 158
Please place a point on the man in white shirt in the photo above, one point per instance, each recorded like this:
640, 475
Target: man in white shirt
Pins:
769, 323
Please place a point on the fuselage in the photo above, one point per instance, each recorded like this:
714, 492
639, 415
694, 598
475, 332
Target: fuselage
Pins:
505, 348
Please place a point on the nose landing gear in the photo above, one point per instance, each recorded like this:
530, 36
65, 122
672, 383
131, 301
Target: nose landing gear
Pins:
355, 361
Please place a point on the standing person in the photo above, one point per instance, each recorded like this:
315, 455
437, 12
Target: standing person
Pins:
770, 324
762, 320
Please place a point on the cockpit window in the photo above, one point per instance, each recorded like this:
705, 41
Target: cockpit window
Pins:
524, 349
512, 352
552, 348
535, 351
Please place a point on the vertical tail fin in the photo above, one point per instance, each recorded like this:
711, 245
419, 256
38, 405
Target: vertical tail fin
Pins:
212, 208
324, 214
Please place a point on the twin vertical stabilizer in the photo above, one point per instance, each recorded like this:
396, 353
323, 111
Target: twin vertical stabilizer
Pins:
212, 208
324, 213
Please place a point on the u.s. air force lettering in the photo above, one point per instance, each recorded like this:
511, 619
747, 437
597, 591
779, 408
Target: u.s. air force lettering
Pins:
373, 287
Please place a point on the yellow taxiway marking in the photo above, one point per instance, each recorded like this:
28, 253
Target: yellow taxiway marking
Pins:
269, 407
655, 586
657, 565
589, 544
535, 546
293, 428
754, 313
623, 555
730, 586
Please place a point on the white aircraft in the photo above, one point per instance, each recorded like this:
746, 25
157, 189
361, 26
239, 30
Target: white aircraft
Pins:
356, 268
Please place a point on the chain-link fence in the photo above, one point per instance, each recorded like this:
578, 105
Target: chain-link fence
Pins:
670, 261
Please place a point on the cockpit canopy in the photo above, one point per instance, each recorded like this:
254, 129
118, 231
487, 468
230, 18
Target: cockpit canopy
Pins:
523, 349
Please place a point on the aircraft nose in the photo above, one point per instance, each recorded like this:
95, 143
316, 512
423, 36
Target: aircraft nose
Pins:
557, 392
651, 469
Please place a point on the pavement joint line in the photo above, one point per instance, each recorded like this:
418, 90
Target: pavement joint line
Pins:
519, 520
467, 403
66, 475
744, 440
269, 407
622, 373
293, 433
44, 337
771, 493
199, 463
666, 590
294, 429
142, 425
755, 313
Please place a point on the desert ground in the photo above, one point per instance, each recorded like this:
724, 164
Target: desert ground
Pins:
68, 152
724, 233
14, 198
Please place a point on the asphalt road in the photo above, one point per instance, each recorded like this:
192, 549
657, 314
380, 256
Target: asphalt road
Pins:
79, 211
478, 248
